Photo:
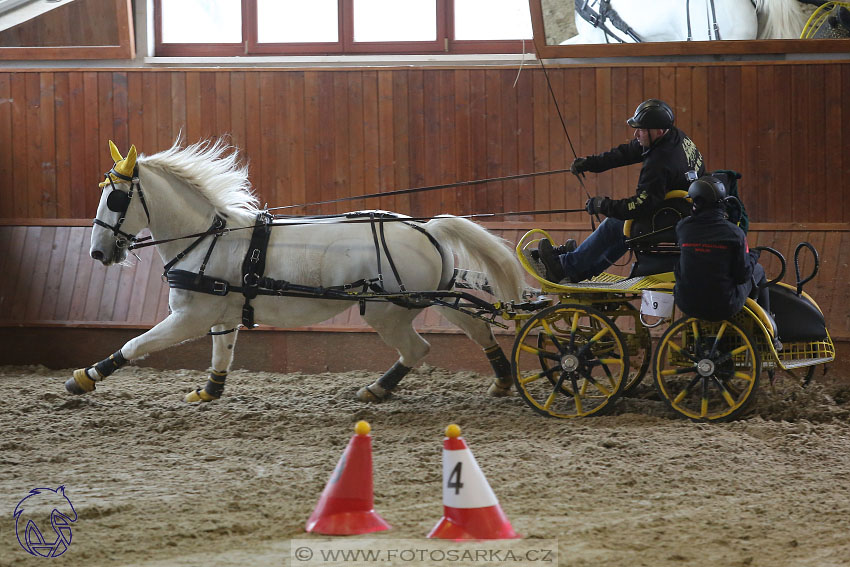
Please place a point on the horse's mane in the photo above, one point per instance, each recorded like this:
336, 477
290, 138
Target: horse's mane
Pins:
214, 169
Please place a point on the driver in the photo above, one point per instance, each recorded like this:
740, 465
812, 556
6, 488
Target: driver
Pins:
716, 271
670, 161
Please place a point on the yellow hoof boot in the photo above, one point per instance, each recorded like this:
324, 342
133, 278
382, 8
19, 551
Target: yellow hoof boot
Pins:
80, 383
196, 396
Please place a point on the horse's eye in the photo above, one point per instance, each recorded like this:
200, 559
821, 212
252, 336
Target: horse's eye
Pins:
118, 201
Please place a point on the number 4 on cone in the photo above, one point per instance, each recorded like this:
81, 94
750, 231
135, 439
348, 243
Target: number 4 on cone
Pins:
470, 508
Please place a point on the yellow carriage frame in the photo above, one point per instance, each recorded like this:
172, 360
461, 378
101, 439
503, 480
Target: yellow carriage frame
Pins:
818, 17
577, 356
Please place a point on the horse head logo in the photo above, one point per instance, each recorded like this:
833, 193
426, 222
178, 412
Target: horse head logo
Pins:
40, 505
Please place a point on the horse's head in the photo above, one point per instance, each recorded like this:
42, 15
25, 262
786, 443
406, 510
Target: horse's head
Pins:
41, 512
122, 211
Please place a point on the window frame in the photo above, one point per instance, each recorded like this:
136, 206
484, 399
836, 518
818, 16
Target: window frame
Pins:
769, 47
445, 44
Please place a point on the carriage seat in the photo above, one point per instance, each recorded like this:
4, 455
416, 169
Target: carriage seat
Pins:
653, 240
797, 317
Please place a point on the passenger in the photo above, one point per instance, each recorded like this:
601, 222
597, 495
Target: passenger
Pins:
670, 162
716, 271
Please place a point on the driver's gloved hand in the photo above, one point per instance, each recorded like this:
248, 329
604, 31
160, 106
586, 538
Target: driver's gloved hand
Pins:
594, 205
579, 165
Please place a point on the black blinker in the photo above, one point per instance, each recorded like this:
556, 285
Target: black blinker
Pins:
118, 201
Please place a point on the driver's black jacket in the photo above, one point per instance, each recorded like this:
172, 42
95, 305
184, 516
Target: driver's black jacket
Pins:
715, 269
665, 167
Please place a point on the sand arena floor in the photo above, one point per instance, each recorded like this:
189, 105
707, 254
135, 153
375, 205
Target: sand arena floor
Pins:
158, 482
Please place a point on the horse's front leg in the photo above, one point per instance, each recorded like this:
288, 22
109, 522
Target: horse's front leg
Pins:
174, 329
224, 341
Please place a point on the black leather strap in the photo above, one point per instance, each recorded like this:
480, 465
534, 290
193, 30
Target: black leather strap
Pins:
254, 265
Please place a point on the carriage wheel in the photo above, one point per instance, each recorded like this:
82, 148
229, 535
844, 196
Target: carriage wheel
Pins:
706, 371
569, 361
639, 343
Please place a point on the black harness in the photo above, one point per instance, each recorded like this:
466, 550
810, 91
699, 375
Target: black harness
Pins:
254, 282
606, 13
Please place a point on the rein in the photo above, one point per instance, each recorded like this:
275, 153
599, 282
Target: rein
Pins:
335, 219
427, 188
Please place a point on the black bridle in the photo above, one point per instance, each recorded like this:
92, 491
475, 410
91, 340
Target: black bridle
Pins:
118, 201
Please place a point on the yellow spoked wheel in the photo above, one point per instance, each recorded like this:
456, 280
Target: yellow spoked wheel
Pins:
569, 361
706, 371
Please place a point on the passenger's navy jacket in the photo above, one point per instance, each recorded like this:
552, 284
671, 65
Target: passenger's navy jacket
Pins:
714, 275
665, 167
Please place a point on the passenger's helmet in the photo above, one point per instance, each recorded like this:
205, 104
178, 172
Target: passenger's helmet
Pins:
707, 192
652, 114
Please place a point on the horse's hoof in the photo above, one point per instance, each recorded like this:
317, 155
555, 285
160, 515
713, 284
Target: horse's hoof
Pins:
198, 395
80, 384
373, 393
499, 390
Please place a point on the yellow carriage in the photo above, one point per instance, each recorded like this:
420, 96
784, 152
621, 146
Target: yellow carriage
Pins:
594, 343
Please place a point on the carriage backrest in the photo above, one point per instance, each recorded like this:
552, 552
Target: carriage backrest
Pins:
734, 208
653, 239
660, 226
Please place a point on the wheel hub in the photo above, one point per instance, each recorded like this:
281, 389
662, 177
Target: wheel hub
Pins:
705, 367
569, 362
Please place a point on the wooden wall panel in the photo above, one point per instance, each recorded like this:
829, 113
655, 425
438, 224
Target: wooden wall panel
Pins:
311, 135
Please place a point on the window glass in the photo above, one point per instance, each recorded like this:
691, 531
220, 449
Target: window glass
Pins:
395, 20
492, 19
201, 21
297, 21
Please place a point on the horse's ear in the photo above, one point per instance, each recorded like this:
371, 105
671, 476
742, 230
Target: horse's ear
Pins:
126, 165
113, 150
131, 157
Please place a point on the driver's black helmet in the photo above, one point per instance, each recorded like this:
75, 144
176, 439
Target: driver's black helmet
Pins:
652, 114
707, 192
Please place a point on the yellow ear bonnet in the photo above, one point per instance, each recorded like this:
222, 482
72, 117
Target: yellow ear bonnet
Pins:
123, 165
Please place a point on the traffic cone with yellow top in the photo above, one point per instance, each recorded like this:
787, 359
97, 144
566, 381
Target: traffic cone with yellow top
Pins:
470, 508
346, 506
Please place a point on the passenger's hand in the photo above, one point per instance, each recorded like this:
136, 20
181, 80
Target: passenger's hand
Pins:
593, 206
579, 165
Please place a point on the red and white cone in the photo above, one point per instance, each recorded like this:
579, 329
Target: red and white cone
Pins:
470, 508
346, 506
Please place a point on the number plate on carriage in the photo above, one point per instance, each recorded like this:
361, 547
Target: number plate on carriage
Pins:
656, 303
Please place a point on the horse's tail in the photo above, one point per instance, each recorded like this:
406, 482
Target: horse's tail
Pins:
480, 250
780, 19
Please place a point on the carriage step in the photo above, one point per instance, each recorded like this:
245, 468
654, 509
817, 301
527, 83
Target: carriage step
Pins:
801, 362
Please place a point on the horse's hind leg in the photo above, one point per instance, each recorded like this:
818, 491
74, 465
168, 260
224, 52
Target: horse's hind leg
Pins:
170, 331
395, 326
480, 332
222, 358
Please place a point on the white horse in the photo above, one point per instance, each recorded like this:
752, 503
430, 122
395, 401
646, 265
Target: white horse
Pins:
190, 191
697, 20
